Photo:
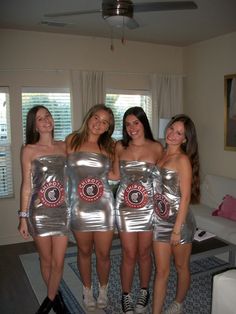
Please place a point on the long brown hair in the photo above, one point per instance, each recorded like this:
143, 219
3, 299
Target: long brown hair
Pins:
190, 147
105, 140
140, 114
32, 135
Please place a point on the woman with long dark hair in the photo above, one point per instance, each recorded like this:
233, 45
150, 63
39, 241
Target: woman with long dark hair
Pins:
174, 225
44, 214
135, 159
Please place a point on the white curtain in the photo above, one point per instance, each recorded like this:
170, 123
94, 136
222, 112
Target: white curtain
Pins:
167, 97
91, 89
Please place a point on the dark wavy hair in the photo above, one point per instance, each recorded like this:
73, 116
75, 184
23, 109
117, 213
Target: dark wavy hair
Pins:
105, 140
140, 114
32, 135
190, 147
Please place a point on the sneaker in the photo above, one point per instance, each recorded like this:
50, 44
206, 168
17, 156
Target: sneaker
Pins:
102, 299
88, 299
175, 308
142, 303
127, 304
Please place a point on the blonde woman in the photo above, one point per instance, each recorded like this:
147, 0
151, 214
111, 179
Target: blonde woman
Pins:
90, 155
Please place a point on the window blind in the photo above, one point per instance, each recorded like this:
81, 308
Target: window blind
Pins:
6, 182
58, 103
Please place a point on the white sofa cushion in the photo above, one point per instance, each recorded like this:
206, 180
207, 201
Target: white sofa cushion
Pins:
214, 188
223, 228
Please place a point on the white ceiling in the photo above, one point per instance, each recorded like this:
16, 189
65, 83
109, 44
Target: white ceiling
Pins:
179, 28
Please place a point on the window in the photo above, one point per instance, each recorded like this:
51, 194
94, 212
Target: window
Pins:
120, 102
6, 185
58, 103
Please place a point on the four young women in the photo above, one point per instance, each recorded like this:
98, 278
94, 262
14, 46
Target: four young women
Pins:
150, 180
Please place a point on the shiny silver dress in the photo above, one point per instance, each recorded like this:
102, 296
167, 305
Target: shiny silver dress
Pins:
166, 205
89, 195
134, 198
48, 212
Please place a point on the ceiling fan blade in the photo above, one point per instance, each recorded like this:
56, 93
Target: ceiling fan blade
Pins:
132, 24
164, 6
71, 13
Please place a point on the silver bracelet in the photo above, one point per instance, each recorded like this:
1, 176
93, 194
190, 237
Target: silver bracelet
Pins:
23, 214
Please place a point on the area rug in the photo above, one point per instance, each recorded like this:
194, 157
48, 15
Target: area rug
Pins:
198, 300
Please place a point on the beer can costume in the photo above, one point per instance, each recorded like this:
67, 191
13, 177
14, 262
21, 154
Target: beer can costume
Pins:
48, 212
166, 205
134, 197
90, 197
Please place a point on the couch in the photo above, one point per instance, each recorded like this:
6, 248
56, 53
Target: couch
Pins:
213, 190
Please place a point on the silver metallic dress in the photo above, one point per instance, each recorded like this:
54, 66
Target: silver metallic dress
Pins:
134, 198
48, 213
89, 195
167, 199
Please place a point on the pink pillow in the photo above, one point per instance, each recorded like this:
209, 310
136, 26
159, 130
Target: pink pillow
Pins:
227, 208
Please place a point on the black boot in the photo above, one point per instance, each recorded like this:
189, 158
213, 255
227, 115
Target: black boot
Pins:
45, 307
59, 306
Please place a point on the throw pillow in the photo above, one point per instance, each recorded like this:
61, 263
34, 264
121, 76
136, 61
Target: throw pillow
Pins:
227, 208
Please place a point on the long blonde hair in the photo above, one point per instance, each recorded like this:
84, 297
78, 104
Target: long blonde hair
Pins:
105, 141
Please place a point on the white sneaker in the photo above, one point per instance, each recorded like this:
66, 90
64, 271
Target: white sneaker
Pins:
88, 299
102, 299
175, 308
142, 303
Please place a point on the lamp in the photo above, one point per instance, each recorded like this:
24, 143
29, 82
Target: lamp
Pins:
162, 127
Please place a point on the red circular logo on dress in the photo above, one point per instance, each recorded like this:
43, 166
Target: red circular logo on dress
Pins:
90, 189
161, 206
52, 194
135, 195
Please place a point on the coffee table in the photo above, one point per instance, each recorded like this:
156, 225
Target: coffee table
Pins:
211, 247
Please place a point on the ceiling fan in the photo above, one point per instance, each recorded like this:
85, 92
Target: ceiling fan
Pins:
120, 13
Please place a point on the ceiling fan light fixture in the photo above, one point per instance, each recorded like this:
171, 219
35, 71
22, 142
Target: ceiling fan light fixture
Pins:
117, 21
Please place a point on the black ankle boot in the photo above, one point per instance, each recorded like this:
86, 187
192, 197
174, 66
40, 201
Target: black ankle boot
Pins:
45, 307
59, 306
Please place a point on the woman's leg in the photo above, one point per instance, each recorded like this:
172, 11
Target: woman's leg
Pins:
162, 253
145, 269
84, 242
182, 253
44, 248
102, 243
145, 257
59, 245
51, 253
129, 243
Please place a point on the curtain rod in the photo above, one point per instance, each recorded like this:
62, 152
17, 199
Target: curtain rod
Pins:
106, 72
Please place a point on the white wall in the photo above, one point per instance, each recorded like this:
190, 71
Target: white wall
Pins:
44, 59
205, 65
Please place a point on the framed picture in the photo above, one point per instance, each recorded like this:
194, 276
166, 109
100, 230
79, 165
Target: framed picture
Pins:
230, 111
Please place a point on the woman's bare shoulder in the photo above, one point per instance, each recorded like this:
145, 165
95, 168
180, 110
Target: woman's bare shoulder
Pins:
29, 152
